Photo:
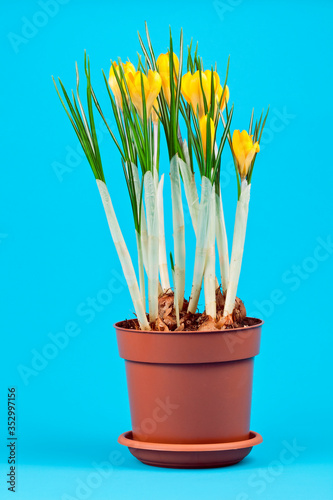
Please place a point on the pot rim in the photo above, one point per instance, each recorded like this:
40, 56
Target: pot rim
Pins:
189, 347
191, 332
126, 439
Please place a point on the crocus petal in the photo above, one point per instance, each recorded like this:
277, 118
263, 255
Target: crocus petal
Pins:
163, 63
215, 76
225, 99
166, 87
194, 90
135, 92
163, 66
186, 80
155, 85
238, 150
114, 84
127, 68
196, 98
244, 151
203, 131
151, 88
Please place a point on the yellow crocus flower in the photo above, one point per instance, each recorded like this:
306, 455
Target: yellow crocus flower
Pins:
203, 131
244, 150
152, 85
163, 66
225, 96
128, 68
193, 92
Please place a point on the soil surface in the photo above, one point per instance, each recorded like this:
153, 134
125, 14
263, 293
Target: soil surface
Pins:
194, 322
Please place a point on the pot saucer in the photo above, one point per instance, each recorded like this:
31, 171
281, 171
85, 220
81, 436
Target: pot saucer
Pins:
190, 456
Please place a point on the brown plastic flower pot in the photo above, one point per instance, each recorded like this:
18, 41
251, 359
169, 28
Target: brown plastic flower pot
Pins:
190, 395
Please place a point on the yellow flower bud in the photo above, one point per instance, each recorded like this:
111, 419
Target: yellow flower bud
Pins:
194, 93
225, 96
203, 131
244, 150
128, 68
163, 66
152, 85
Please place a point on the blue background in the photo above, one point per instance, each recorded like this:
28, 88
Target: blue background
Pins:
56, 250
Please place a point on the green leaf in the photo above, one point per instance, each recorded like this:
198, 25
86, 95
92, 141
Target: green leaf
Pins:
223, 139
171, 262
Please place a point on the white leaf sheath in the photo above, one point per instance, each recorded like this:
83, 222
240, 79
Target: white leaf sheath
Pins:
144, 235
162, 259
209, 276
153, 236
237, 246
178, 230
222, 243
124, 256
191, 192
201, 244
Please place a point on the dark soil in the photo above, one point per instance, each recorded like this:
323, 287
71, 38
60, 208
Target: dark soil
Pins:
194, 322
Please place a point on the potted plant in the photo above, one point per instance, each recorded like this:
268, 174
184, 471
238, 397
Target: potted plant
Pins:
189, 373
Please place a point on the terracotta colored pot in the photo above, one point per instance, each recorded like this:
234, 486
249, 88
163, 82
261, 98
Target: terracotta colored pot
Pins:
190, 388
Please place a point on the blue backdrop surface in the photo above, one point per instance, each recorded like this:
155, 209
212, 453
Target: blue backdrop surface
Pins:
60, 272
